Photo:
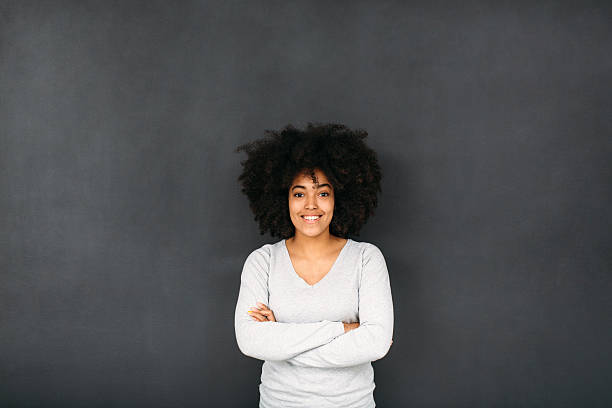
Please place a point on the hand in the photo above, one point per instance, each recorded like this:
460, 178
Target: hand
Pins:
262, 313
350, 326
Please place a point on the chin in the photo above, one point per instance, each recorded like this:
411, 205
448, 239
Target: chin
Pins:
312, 233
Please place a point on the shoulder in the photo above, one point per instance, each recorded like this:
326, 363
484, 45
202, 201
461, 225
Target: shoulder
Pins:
260, 257
369, 252
373, 268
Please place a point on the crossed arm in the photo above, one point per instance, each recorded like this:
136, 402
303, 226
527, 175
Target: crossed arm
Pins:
318, 344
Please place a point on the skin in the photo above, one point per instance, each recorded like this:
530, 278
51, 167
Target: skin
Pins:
312, 249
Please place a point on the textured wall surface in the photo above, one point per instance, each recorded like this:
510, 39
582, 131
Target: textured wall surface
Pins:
123, 230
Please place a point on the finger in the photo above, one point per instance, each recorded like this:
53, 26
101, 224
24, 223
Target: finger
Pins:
262, 306
256, 315
266, 312
262, 313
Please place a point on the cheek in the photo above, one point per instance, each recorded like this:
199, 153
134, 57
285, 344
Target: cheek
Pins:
292, 208
330, 207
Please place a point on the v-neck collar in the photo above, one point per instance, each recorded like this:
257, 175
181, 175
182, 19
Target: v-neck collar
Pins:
286, 251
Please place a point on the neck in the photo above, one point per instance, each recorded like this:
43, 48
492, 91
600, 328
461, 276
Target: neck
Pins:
312, 245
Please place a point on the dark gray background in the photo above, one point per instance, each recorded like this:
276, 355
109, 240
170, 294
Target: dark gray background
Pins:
124, 231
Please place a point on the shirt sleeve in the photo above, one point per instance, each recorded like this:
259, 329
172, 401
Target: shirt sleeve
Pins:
273, 340
372, 339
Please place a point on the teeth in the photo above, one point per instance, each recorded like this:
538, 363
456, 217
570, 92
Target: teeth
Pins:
314, 217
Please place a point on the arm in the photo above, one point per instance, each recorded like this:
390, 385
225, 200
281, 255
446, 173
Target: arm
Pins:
272, 340
372, 339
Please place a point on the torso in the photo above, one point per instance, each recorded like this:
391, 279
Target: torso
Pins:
335, 298
312, 270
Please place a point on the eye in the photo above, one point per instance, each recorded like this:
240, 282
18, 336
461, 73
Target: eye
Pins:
296, 194
325, 192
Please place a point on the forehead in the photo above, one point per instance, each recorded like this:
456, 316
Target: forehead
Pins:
306, 179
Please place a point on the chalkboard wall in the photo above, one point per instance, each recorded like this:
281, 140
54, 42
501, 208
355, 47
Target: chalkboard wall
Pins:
123, 230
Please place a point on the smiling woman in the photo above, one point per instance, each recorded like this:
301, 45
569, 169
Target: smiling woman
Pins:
349, 165
316, 305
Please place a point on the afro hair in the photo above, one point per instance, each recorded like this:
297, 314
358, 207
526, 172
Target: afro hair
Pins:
340, 153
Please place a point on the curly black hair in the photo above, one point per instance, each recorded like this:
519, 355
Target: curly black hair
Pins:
339, 152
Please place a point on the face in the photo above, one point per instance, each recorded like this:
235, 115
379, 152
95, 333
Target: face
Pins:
308, 199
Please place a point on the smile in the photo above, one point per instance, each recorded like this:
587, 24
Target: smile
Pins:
311, 219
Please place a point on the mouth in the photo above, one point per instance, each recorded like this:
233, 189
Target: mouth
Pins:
311, 219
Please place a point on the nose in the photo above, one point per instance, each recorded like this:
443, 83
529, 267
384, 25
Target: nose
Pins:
311, 202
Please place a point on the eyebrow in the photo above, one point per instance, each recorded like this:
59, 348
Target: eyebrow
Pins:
320, 186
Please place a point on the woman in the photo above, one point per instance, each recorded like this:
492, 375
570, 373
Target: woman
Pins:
316, 306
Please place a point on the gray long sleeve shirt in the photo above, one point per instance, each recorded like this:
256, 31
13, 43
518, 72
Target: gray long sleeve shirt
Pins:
309, 360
